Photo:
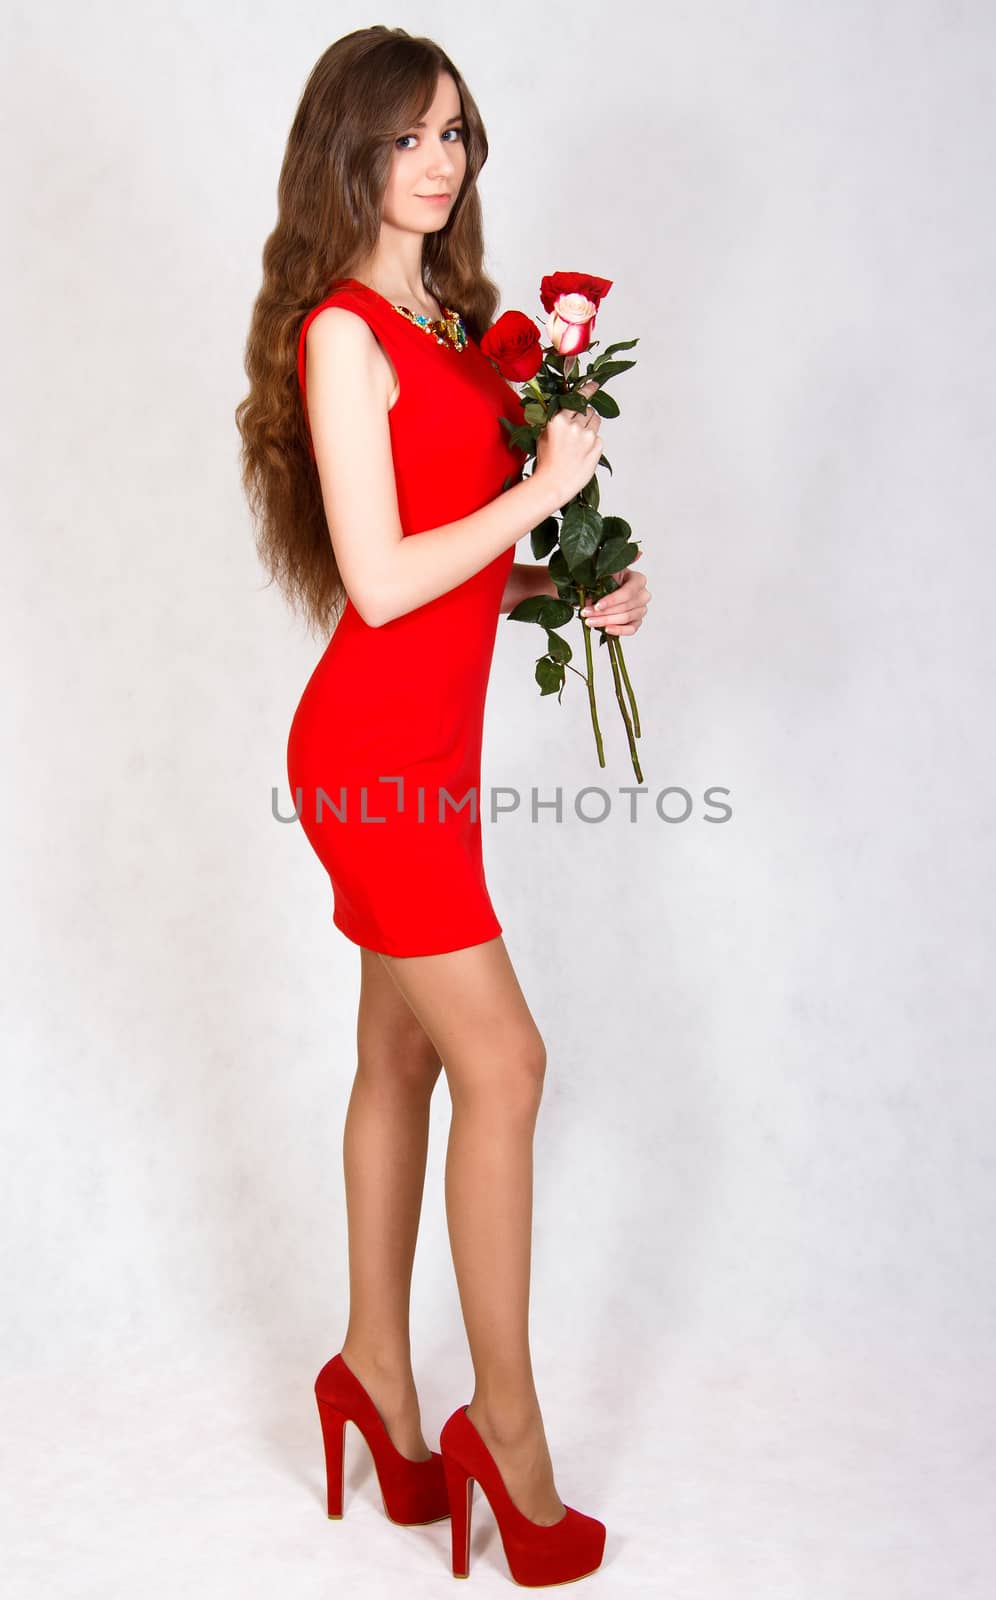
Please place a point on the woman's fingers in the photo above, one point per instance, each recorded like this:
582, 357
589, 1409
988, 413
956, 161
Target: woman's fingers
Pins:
624, 609
629, 618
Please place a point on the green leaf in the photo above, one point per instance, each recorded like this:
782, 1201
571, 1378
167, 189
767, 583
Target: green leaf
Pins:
559, 648
580, 533
591, 494
604, 404
614, 555
542, 608
603, 369
558, 569
557, 612
571, 400
550, 675
543, 537
623, 344
519, 434
616, 528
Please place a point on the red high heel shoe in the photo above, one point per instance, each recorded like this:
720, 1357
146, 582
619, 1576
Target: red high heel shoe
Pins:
411, 1491
537, 1554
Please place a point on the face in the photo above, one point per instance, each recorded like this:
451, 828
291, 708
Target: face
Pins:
428, 161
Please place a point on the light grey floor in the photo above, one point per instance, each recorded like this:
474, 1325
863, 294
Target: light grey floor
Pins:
763, 1475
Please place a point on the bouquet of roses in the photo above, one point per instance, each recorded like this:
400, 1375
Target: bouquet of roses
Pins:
590, 552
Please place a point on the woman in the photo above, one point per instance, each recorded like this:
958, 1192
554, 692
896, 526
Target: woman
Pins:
381, 480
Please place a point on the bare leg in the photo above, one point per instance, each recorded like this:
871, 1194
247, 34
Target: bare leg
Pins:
385, 1142
471, 1006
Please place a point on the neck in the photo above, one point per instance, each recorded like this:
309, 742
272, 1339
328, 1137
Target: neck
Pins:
397, 275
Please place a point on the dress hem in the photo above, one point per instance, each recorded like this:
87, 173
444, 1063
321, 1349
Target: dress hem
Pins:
441, 950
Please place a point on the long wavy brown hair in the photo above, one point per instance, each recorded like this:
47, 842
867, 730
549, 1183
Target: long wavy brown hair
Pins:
361, 95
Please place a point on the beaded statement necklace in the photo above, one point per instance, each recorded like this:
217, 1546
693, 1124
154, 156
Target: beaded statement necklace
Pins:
447, 329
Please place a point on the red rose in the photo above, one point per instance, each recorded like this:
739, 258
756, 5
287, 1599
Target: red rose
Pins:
513, 344
557, 283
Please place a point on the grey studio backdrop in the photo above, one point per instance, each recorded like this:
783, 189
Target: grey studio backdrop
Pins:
763, 1294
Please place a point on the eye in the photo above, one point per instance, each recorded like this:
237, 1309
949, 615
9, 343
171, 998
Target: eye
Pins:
404, 136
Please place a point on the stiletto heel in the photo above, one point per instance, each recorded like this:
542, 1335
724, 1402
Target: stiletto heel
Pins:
334, 1440
537, 1553
412, 1492
460, 1488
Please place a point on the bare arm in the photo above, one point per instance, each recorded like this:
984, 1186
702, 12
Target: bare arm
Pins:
524, 580
386, 574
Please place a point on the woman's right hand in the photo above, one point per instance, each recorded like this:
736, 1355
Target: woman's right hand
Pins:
568, 449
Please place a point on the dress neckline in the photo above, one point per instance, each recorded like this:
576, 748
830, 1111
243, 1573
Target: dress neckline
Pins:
449, 329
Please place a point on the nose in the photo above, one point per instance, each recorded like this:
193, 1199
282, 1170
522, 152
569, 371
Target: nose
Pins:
442, 160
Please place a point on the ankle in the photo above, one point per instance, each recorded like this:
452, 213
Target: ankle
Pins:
392, 1369
508, 1423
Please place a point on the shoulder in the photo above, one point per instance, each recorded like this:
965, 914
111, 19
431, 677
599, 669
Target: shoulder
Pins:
340, 313
338, 320
342, 343
339, 332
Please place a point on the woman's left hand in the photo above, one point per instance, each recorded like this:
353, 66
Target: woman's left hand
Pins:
624, 609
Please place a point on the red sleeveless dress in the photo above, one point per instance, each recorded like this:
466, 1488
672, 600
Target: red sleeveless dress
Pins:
384, 749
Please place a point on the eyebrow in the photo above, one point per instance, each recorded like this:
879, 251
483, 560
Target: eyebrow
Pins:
457, 118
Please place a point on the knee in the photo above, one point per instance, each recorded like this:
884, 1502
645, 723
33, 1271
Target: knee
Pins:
533, 1063
405, 1060
509, 1083
417, 1069
530, 1074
